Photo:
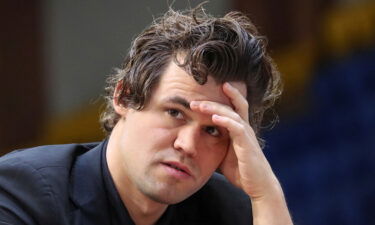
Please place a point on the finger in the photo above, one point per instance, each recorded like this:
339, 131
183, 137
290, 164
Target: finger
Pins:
239, 132
235, 128
239, 101
209, 107
243, 138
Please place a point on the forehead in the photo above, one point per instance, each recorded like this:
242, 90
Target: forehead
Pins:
177, 82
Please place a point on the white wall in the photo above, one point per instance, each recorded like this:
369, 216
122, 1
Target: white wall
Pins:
85, 40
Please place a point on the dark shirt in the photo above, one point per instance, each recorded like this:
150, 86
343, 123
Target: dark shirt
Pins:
117, 211
71, 185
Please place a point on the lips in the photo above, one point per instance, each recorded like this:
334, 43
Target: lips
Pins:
178, 166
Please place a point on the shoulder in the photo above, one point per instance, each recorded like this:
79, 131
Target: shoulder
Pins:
50, 163
219, 202
45, 164
35, 182
45, 156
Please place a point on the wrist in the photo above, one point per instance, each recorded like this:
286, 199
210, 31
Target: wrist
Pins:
271, 192
266, 189
271, 207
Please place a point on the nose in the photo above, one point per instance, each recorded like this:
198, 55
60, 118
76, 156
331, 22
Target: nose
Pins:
187, 141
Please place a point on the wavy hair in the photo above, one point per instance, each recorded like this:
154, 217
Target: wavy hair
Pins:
227, 48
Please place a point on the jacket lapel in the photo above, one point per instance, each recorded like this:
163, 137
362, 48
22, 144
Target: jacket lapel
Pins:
87, 189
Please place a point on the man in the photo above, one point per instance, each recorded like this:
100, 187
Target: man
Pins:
189, 100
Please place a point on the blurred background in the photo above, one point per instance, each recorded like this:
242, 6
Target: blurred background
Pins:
55, 56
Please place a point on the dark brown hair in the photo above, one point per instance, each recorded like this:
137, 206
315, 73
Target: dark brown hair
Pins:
227, 48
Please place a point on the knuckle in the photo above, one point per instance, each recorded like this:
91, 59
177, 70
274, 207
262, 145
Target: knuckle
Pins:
245, 104
241, 126
237, 117
206, 106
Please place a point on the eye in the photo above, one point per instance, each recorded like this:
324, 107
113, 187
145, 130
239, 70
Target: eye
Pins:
213, 131
175, 113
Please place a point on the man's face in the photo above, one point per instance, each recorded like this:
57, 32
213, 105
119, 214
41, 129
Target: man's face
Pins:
167, 151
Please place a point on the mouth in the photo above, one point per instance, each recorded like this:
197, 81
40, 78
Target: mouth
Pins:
178, 167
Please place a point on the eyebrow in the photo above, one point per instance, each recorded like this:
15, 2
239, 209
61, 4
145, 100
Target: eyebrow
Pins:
180, 101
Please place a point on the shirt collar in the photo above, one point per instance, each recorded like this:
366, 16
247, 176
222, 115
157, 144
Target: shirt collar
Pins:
117, 210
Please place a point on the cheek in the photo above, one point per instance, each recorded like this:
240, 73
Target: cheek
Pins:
161, 137
147, 128
152, 142
145, 145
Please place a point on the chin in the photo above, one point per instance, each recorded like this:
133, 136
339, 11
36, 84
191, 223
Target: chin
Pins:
168, 196
168, 200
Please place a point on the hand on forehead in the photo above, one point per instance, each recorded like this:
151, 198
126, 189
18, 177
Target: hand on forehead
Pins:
177, 81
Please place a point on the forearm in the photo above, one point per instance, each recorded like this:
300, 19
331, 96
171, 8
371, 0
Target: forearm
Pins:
271, 208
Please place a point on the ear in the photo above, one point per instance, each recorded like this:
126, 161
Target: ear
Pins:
117, 105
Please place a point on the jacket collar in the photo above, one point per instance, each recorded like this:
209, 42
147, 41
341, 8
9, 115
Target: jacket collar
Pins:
87, 190
89, 194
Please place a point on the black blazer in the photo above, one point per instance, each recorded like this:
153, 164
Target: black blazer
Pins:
64, 185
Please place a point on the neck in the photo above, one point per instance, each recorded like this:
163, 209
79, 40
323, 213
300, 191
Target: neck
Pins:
142, 209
